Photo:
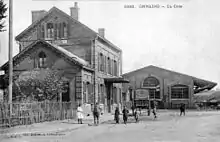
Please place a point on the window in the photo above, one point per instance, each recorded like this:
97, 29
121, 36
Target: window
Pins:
105, 64
58, 30
101, 62
64, 30
154, 94
55, 30
120, 95
50, 30
42, 31
102, 93
112, 70
115, 95
85, 92
151, 82
109, 66
115, 68
179, 92
42, 60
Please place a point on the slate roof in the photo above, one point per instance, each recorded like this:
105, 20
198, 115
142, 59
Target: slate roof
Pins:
69, 55
203, 84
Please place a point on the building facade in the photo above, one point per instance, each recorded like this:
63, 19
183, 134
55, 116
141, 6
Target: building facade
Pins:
58, 41
167, 87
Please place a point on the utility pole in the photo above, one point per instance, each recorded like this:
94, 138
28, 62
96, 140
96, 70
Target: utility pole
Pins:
10, 54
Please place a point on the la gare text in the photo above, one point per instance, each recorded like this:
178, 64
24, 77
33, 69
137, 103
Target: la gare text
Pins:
153, 6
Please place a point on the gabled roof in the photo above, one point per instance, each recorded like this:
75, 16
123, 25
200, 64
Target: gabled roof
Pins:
73, 58
70, 18
203, 84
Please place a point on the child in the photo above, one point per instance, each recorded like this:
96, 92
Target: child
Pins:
79, 114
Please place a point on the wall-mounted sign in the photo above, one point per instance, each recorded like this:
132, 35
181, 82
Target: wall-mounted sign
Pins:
141, 94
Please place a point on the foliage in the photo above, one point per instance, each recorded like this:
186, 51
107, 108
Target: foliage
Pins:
38, 85
3, 9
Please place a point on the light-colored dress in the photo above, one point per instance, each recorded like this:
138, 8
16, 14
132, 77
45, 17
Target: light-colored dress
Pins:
79, 113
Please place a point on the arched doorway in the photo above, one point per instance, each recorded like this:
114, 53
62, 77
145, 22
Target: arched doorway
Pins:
153, 85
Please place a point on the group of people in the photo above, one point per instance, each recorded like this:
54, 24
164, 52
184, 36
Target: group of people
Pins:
96, 114
125, 113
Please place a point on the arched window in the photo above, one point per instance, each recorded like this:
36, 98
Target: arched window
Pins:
42, 59
179, 91
153, 84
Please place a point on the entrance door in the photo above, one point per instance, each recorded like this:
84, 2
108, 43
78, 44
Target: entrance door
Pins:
109, 97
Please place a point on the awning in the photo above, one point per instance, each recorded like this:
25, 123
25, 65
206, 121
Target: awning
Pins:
116, 80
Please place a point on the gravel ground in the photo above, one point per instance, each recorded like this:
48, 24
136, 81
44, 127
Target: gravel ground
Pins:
169, 127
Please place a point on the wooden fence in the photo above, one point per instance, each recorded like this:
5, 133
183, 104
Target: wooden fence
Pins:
29, 113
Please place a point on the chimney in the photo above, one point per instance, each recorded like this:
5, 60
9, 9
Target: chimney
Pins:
101, 32
74, 11
37, 15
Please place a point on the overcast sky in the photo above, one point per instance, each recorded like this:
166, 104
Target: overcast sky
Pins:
182, 39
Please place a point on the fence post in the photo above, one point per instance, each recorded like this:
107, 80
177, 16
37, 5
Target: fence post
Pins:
60, 95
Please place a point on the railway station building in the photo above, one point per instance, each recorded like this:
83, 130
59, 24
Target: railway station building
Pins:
168, 88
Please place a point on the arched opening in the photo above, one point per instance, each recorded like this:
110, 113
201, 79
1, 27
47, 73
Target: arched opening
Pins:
153, 84
65, 94
42, 59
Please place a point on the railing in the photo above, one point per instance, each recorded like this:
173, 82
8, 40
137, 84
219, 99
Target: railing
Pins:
29, 113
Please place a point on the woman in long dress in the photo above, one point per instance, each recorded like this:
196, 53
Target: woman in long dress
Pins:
79, 114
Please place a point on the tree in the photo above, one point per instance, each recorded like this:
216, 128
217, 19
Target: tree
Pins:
39, 85
3, 9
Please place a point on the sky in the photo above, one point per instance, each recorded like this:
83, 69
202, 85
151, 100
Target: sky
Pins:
184, 39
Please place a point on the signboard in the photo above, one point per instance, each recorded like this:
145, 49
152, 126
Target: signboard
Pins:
142, 94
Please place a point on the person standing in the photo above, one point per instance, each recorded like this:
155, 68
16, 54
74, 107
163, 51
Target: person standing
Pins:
79, 114
125, 115
136, 116
117, 113
182, 109
96, 113
154, 110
